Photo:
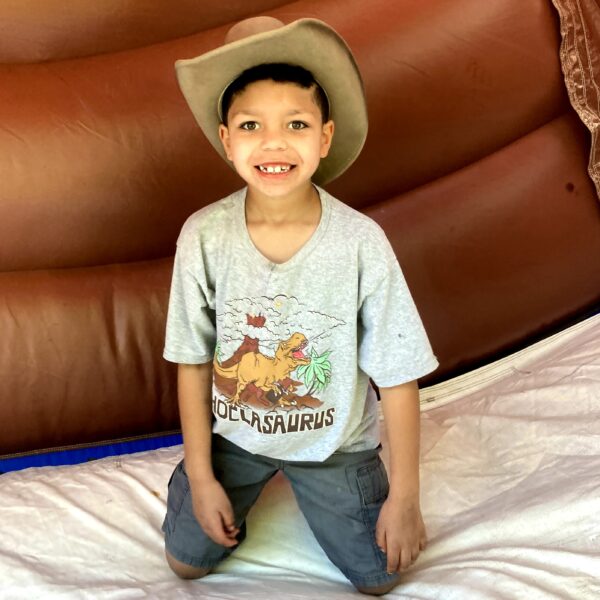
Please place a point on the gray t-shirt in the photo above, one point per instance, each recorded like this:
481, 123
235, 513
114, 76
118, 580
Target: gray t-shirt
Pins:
294, 343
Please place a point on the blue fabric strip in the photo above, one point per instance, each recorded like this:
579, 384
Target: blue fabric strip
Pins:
73, 456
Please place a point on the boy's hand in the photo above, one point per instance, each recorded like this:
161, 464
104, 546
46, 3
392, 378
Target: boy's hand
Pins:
400, 533
213, 511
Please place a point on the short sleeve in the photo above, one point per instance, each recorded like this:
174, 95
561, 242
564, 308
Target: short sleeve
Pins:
393, 347
191, 332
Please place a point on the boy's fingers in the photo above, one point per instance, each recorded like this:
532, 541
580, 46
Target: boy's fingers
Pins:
228, 525
380, 538
221, 537
393, 559
227, 515
217, 531
392, 565
401, 559
216, 534
406, 559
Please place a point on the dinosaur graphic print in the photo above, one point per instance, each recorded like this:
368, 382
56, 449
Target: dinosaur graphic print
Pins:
273, 355
267, 373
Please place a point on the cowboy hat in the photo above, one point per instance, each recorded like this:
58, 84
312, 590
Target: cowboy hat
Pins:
308, 43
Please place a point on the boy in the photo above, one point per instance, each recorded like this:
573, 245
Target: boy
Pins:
284, 302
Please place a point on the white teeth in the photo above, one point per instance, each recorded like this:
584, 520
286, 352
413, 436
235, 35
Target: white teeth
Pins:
274, 169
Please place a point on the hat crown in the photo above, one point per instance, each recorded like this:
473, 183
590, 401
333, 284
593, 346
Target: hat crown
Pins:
252, 26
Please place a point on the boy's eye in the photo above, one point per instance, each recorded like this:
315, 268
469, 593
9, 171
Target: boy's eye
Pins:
298, 125
249, 125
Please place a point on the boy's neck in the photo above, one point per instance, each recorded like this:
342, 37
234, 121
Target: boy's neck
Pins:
302, 205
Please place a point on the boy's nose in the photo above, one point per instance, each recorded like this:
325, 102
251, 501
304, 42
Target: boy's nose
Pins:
273, 140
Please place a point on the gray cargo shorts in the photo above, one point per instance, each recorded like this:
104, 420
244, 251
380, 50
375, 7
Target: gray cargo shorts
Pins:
340, 499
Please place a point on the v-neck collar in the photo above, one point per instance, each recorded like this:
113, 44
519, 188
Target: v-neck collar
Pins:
302, 253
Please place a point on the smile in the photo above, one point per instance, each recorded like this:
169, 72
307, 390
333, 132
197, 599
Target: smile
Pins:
274, 168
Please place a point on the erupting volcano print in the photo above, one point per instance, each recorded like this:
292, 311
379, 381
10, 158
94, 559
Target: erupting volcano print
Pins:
273, 353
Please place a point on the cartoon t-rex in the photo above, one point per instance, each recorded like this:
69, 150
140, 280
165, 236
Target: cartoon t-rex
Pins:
263, 371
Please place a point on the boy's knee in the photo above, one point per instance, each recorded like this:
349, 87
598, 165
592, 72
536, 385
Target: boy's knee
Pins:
184, 571
378, 590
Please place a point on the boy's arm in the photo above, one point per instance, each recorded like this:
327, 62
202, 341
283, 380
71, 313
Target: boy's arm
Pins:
400, 528
212, 507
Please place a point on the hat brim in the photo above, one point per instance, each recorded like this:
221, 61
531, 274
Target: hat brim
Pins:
308, 43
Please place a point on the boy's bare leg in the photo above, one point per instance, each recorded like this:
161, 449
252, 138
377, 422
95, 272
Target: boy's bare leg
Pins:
380, 589
185, 571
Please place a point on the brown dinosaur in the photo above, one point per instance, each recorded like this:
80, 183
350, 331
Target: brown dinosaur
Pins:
263, 371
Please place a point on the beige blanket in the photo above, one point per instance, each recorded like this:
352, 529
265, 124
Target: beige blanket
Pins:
511, 497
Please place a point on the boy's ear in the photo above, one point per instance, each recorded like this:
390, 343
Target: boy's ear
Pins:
224, 137
326, 137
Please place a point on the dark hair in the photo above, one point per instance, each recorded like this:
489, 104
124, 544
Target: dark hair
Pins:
280, 73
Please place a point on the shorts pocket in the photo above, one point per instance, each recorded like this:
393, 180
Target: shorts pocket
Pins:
373, 488
178, 489
373, 483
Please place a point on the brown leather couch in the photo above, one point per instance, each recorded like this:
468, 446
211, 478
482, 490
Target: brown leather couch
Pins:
475, 166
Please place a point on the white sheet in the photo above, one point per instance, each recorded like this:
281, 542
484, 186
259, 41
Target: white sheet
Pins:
511, 498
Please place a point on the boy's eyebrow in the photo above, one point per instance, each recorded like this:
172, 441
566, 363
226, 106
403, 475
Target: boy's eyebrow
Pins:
251, 112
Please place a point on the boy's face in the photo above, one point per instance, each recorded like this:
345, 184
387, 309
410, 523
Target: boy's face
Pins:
275, 137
